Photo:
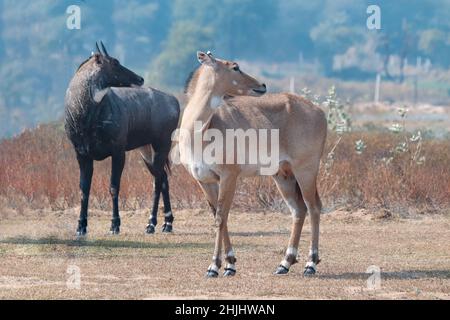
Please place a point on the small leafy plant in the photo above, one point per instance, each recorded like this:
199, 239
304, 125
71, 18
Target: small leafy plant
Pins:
410, 145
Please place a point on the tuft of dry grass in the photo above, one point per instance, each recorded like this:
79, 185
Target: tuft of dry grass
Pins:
38, 170
369, 180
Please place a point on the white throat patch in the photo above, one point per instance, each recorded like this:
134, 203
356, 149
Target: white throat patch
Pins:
99, 95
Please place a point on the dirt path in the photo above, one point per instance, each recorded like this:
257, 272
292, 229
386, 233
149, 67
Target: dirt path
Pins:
39, 258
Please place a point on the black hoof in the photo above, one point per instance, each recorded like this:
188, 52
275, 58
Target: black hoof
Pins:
309, 272
81, 233
82, 228
281, 270
150, 229
167, 228
212, 274
114, 231
229, 272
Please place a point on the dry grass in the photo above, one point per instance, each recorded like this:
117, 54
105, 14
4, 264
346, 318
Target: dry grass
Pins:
37, 247
38, 216
38, 170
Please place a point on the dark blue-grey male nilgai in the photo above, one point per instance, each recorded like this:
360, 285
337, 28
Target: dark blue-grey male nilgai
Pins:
107, 114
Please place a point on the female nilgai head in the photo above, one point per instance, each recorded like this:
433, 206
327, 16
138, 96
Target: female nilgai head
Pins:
227, 77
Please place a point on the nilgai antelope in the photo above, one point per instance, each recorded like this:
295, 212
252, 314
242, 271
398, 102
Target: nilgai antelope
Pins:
302, 129
106, 117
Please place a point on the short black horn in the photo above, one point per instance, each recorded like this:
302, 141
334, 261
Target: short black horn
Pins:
104, 49
98, 48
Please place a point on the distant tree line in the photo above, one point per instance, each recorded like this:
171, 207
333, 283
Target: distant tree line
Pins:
158, 38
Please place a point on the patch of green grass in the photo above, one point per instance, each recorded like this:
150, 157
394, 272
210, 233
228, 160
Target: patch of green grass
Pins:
52, 246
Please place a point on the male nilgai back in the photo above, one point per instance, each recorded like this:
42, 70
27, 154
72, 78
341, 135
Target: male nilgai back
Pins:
108, 114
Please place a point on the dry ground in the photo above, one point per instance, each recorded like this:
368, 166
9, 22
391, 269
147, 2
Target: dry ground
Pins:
36, 249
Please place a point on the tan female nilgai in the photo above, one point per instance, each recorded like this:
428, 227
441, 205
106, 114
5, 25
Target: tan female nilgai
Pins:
302, 129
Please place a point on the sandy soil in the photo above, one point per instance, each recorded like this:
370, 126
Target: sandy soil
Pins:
39, 258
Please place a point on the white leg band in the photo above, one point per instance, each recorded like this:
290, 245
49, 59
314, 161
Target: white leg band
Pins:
214, 268
311, 265
231, 266
286, 264
168, 214
291, 251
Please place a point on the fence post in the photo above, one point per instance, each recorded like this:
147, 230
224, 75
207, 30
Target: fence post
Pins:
377, 88
292, 85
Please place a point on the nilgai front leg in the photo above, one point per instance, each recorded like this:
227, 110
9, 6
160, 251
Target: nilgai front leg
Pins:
227, 188
86, 170
211, 191
118, 162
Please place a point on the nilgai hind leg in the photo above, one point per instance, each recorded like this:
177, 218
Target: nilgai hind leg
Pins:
86, 171
307, 179
292, 196
155, 162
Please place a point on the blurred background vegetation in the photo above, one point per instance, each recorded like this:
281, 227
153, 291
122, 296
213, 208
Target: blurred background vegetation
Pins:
277, 40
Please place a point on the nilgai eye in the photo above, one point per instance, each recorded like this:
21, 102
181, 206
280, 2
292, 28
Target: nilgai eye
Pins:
236, 68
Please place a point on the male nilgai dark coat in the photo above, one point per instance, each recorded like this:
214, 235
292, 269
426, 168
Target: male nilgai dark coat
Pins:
108, 114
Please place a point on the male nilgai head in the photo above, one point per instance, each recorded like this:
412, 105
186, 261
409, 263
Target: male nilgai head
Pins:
108, 71
230, 79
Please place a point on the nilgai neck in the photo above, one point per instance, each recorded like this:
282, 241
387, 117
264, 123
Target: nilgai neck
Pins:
199, 105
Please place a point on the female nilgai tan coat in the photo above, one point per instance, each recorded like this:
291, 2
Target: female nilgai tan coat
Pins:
302, 133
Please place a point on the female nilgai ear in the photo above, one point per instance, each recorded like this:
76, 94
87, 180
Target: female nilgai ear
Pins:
206, 58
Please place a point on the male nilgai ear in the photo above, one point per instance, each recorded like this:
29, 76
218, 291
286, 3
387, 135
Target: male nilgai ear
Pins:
206, 58
98, 58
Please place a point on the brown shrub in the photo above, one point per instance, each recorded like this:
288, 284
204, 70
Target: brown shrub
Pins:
38, 169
